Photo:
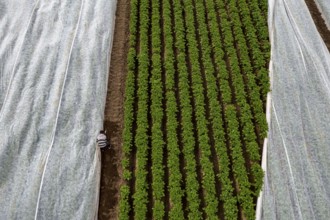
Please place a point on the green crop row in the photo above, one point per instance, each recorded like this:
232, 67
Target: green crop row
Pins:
256, 104
260, 24
253, 90
187, 134
157, 140
263, 5
238, 165
245, 194
208, 181
173, 160
258, 57
212, 100
141, 137
125, 192
207, 44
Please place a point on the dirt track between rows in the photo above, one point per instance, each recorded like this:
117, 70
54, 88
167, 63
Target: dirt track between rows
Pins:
319, 22
113, 122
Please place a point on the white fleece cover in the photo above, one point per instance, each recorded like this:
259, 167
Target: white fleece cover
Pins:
297, 171
54, 62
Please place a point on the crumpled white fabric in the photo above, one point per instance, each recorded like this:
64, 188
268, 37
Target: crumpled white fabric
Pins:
54, 62
297, 177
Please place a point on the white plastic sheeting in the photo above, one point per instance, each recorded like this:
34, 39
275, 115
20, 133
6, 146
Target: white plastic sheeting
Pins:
297, 176
54, 62
324, 7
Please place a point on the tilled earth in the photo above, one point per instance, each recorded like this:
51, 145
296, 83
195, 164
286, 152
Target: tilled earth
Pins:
111, 159
319, 22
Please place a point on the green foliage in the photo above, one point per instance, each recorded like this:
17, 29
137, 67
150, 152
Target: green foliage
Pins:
141, 137
173, 162
208, 180
187, 135
216, 80
129, 115
123, 205
252, 90
157, 143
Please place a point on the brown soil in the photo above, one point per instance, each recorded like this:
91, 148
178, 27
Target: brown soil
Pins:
319, 22
111, 171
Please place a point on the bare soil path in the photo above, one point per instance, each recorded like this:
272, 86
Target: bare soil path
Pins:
319, 22
111, 171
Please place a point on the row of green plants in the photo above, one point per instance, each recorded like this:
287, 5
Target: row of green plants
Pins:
263, 6
125, 191
186, 111
227, 196
252, 88
260, 24
252, 30
244, 194
176, 193
141, 139
208, 178
242, 114
247, 126
157, 136
216, 88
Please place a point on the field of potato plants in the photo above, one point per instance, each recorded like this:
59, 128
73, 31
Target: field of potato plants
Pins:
194, 120
186, 137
